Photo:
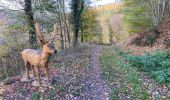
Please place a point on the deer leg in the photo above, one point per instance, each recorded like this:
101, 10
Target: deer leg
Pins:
27, 70
27, 77
37, 81
33, 70
47, 73
38, 74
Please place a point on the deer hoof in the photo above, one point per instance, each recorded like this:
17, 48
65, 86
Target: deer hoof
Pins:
25, 79
35, 83
46, 84
32, 76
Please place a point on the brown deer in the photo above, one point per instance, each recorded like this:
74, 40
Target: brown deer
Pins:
39, 58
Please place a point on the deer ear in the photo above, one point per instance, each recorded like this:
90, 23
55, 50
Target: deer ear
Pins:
53, 34
39, 34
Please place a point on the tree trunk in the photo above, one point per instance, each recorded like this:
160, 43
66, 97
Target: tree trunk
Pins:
66, 26
82, 38
30, 23
75, 39
59, 13
77, 9
82, 35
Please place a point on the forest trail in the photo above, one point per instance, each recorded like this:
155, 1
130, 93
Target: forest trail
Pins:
96, 88
82, 75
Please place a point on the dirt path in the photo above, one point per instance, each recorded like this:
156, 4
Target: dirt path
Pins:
96, 88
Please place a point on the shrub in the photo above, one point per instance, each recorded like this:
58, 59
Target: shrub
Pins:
145, 39
150, 39
11, 63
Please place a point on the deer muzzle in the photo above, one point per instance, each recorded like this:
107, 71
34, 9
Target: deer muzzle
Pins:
55, 51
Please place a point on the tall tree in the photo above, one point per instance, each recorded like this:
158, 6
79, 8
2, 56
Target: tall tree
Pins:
30, 23
65, 22
77, 7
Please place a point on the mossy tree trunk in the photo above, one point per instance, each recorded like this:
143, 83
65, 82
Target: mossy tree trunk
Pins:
77, 7
30, 24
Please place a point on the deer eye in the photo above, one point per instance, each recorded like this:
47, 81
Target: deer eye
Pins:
50, 45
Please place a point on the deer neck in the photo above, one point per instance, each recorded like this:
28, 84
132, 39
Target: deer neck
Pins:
45, 58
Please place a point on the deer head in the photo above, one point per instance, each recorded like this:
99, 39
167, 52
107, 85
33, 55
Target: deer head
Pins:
48, 45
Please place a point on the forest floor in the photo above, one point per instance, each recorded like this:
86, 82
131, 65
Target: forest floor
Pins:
92, 72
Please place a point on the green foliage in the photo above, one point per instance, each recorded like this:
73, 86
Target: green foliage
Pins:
156, 64
45, 5
36, 96
144, 15
114, 93
121, 53
136, 17
150, 40
89, 25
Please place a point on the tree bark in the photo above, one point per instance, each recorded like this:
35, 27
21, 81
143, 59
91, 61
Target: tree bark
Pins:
82, 38
66, 26
75, 39
30, 23
82, 35
61, 24
77, 9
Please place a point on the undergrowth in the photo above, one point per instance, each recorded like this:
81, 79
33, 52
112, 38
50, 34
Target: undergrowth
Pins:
156, 64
